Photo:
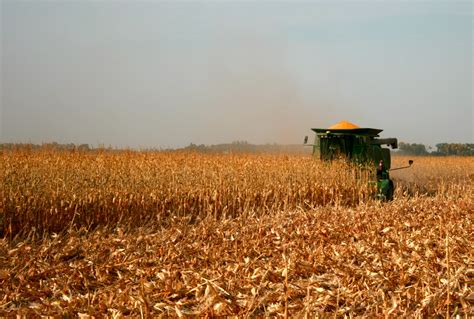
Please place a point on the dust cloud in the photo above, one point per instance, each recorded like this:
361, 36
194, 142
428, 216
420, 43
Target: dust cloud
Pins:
252, 93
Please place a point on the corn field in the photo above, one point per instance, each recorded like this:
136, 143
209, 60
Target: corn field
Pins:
179, 234
47, 192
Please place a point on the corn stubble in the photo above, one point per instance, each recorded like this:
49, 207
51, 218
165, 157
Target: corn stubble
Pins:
184, 234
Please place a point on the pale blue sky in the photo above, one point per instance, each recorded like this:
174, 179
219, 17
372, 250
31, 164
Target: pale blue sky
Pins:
163, 74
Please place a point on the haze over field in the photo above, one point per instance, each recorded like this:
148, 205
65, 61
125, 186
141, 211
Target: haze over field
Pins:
161, 74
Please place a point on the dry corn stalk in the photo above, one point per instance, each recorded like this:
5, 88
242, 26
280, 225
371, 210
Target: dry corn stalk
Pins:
179, 235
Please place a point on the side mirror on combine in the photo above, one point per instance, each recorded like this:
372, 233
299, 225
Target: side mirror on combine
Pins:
305, 139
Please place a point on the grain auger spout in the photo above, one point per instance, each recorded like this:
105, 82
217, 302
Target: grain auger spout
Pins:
410, 163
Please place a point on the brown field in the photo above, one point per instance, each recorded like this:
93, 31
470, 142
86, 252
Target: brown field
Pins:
111, 234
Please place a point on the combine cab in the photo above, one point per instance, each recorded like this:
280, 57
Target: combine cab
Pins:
359, 145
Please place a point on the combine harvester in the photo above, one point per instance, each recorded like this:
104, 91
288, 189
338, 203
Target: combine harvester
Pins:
360, 146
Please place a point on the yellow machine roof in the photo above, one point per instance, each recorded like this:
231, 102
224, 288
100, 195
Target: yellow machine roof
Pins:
343, 125
347, 128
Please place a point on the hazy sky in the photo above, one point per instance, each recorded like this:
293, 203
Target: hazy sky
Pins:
165, 74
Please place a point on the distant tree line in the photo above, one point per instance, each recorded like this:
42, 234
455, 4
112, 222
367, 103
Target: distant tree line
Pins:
442, 149
454, 149
246, 147
46, 146
234, 147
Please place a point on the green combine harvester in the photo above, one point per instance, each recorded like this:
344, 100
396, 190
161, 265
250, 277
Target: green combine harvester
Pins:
360, 146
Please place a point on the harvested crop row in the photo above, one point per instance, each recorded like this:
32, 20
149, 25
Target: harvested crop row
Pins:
410, 258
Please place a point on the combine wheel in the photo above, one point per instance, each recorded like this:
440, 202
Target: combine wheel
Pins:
385, 189
390, 191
